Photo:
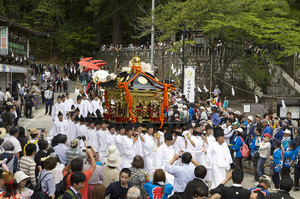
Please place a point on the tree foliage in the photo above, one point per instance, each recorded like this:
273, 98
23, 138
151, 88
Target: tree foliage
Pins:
113, 21
234, 27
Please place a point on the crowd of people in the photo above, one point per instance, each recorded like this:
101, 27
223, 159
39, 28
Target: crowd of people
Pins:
194, 156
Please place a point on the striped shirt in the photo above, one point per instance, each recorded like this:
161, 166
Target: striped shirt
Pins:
27, 165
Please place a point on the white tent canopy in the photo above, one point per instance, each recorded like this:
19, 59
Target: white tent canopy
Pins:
12, 69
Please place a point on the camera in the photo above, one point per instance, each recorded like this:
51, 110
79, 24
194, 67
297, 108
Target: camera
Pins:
83, 138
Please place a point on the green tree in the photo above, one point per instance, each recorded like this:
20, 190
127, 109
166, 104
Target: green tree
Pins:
232, 28
80, 43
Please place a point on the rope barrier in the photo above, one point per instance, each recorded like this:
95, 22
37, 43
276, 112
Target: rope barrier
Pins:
253, 93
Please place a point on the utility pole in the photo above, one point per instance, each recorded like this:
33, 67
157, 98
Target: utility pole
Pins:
182, 69
152, 38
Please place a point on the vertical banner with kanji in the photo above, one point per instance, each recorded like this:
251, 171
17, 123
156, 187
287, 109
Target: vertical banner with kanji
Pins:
189, 83
4, 40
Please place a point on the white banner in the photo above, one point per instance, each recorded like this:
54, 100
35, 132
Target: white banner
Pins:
4, 40
189, 83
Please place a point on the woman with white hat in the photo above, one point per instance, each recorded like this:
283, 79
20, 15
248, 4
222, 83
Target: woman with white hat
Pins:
21, 179
111, 171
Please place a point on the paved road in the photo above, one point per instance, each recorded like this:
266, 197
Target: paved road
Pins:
40, 120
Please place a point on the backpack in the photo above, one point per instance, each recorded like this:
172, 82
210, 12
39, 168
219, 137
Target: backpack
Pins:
61, 187
28, 142
38, 193
245, 150
71, 193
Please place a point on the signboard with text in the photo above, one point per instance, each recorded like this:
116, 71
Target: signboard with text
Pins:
189, 83
4, 40
18, 44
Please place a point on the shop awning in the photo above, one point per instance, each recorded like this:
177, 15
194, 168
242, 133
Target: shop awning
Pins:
5, 68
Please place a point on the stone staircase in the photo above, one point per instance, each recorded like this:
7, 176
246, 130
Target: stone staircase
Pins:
282, 84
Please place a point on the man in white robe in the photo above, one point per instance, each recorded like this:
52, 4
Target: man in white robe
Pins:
96, 104
199, 155
68, 102
164, 155
81, 106
82, 131
119, 138
150, 147
77, 125
86, 102
92, 135
72, 131
128, 146
178, 139
208, 139
58, 107
138, 146
192, 142
60, 126
218, 155
110, 138
102, 135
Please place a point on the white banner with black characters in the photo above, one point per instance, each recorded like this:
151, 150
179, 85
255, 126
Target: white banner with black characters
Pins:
189, 83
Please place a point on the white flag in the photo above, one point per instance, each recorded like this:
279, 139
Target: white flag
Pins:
283, 104
205, 89
200, 91
173, 69
232, 91
179, 72
256, 99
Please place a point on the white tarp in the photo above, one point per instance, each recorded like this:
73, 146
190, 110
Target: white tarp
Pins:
13, 69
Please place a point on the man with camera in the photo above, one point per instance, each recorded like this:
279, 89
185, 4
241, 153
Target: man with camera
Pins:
182, 173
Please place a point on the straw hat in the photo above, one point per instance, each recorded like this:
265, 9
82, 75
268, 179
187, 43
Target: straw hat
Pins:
33, 131
113, 160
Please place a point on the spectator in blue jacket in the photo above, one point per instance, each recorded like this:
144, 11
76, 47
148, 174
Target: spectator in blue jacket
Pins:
157, 188
250, 129
254, 147
297, 169
277, 157
215, 117
277, 134
289, 155
278, 131
237, 144
266, 128
286, 138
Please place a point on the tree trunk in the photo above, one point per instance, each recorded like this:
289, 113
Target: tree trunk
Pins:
97, 28
117, 29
